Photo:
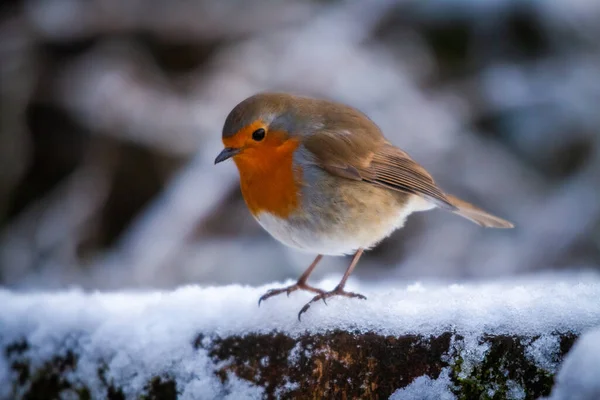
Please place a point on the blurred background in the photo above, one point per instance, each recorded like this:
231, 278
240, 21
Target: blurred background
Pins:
111, 114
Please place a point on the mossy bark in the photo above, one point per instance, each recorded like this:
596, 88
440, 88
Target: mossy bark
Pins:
336, 364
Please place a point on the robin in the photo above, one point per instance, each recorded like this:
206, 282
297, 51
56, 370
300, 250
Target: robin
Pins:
320, 177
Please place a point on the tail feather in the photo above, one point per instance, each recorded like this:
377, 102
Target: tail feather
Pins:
477, 215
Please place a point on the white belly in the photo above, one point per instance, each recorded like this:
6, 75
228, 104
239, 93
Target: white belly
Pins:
306, 238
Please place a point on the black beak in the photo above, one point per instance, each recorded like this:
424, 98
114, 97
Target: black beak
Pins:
227, 152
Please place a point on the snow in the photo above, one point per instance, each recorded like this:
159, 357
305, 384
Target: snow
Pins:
147, 330
544, 352
425, 388
579, 375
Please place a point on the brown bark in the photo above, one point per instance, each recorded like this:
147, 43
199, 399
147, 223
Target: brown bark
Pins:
336, 364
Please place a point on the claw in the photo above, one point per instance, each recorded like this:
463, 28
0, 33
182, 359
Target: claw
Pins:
261, 298
288, 290
303, 310
326, 295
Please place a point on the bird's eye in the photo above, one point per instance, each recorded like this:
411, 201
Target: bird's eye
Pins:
258, 134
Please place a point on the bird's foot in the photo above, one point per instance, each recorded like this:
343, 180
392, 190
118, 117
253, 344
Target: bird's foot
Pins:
325, 295
288, 290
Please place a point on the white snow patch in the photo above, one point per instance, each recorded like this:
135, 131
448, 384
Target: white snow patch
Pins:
141, 334
286, 388
579, 375
515, 391
238, 388
544, 352
425, 388
472, 353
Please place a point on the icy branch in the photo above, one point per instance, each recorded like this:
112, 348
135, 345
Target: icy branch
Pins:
215, 342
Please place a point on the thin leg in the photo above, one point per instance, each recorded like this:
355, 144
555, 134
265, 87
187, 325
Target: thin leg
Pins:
339, 289
299, 285
309, 270
349, 270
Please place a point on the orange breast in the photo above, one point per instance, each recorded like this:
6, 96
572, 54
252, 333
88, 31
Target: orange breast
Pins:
269, 180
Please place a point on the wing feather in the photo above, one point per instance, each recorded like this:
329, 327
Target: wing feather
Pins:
395, 169
372, 159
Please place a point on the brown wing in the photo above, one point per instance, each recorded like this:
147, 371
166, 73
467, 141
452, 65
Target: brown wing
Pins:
370, 158
393, 168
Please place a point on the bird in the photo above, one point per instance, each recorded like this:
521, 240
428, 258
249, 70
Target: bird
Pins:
320, 177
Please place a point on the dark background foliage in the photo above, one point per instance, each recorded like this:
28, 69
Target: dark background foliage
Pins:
111, 112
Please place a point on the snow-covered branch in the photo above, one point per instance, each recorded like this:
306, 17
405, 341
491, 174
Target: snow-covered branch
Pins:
502, 340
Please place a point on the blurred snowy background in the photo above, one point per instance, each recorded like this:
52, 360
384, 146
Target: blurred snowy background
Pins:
111, 115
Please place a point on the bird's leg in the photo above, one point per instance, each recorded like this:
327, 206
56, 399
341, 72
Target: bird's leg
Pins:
300, 285
339, 289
